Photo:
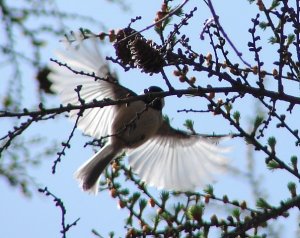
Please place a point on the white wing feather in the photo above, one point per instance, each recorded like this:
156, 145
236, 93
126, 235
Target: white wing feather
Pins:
179, 164
85, 57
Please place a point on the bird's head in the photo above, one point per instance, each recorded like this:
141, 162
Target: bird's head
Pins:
157, 103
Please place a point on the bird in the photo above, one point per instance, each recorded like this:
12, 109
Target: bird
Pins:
162, 156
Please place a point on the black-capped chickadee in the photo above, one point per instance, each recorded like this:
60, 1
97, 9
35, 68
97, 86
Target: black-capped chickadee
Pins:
161, 156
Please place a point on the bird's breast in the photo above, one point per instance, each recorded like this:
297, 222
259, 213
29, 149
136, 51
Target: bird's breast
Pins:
134, 124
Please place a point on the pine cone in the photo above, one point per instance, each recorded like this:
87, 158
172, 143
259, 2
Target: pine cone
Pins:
146, 55
137, 52
122, 46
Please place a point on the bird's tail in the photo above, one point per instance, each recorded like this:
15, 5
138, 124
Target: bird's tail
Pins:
88, 174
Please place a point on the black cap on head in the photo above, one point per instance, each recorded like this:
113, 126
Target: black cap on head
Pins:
154, 89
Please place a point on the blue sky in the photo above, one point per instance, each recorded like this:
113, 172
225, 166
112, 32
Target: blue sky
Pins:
38, 217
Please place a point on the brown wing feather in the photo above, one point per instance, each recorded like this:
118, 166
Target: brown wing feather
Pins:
167, 130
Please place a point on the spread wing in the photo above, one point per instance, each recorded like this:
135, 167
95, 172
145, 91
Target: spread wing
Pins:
177, 161
85, 56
